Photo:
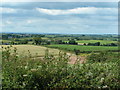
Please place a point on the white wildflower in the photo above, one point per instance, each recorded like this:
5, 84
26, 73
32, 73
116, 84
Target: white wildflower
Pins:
33, 70
39, 66
105, 86
101, 79
25, 75
26, 67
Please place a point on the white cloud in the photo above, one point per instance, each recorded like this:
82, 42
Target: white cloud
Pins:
7, 10
8, 22
82, 10
29, 21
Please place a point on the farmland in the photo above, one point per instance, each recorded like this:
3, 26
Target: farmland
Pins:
94, 41
83, 48
59, 45
42, 61
100, 71
34, 50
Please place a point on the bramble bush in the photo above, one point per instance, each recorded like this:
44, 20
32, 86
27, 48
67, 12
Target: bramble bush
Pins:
98, 57
55, 72
103, 56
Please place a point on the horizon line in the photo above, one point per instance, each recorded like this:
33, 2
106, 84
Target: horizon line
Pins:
59, 33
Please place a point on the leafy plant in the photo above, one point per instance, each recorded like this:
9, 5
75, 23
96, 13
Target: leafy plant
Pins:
54, 72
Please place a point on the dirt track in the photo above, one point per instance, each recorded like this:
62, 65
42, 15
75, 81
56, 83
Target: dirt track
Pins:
74, 58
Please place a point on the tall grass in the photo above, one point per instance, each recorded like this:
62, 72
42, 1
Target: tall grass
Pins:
55, 72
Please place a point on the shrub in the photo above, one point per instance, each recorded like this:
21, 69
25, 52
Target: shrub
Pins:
73, 42
76, 51
98, 57
55, 72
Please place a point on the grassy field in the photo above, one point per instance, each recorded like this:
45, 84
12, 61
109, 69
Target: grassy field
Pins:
39, 50
94, 41
83, 48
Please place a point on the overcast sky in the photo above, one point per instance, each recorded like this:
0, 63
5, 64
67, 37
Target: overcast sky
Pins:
60, 17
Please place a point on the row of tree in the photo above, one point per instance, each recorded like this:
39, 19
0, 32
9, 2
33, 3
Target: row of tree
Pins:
14, 42
99, 44
40, 41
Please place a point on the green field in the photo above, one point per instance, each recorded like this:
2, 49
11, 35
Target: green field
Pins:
83, 48
94, 41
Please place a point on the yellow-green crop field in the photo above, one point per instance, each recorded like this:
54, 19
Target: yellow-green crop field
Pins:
94, 41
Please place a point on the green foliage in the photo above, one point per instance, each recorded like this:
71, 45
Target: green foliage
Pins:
40, 41
59, 42
103, 57
94, 44
23, 41
76, 51
37, 40
55, 72
98, 57
73, 42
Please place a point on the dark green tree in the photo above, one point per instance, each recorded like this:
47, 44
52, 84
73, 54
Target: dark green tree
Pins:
23, 41
38, 40
73, 42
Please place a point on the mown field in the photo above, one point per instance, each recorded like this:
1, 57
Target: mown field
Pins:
83, 48
34, 50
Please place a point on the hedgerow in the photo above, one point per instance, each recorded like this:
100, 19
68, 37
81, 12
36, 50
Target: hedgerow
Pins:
55, 72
